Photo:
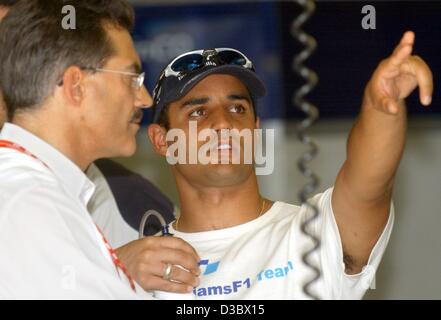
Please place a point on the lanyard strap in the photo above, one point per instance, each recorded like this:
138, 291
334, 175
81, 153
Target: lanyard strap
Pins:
19, 148
116, 261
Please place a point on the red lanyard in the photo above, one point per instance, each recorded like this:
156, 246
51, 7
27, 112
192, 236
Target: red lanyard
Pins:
115, 259
118, 263
12, 145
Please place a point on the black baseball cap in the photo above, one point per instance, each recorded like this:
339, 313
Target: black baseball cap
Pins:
188, 69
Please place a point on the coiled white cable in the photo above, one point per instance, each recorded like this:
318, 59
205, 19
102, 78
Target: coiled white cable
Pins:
146, 216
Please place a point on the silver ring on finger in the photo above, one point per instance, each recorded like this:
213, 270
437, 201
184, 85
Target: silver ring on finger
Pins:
167, 272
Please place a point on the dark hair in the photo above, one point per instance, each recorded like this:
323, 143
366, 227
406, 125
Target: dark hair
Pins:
7, 3
36, 49
163, 119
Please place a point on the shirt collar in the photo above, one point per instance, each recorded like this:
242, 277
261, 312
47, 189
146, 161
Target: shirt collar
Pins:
69, 174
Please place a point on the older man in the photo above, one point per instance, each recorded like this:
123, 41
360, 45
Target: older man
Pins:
79, 98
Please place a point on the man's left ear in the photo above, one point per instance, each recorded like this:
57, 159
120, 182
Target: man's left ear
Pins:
257, 123
71, 85
157, 136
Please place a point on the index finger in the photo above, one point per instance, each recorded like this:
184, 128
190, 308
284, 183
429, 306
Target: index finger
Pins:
403, 50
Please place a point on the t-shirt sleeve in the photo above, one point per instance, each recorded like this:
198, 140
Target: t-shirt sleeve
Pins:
340, 285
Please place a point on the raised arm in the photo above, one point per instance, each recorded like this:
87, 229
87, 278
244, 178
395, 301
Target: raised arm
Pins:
363, 190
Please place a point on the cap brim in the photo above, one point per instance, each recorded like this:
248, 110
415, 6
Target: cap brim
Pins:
248, 77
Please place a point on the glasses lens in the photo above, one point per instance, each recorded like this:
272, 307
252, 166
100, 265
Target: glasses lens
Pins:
141, 79
187, 63
232, 57
138, 81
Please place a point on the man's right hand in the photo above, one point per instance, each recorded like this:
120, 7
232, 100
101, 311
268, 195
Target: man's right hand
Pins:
147, 259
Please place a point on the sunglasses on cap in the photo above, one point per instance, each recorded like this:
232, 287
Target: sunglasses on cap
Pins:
193, 60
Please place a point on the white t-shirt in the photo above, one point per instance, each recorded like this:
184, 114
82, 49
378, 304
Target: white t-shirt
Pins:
262, 259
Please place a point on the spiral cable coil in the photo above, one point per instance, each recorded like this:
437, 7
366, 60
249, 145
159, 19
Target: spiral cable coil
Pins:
312, 115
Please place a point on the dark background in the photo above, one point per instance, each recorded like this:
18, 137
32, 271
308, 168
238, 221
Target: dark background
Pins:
345, 59
347, 54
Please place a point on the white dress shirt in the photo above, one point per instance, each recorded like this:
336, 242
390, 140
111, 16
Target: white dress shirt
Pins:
49, 245
104, 211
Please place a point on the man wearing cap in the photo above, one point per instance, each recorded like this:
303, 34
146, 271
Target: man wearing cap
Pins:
251, 247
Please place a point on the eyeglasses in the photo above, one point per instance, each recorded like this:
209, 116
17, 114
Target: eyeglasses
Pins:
193, 60
138, 78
